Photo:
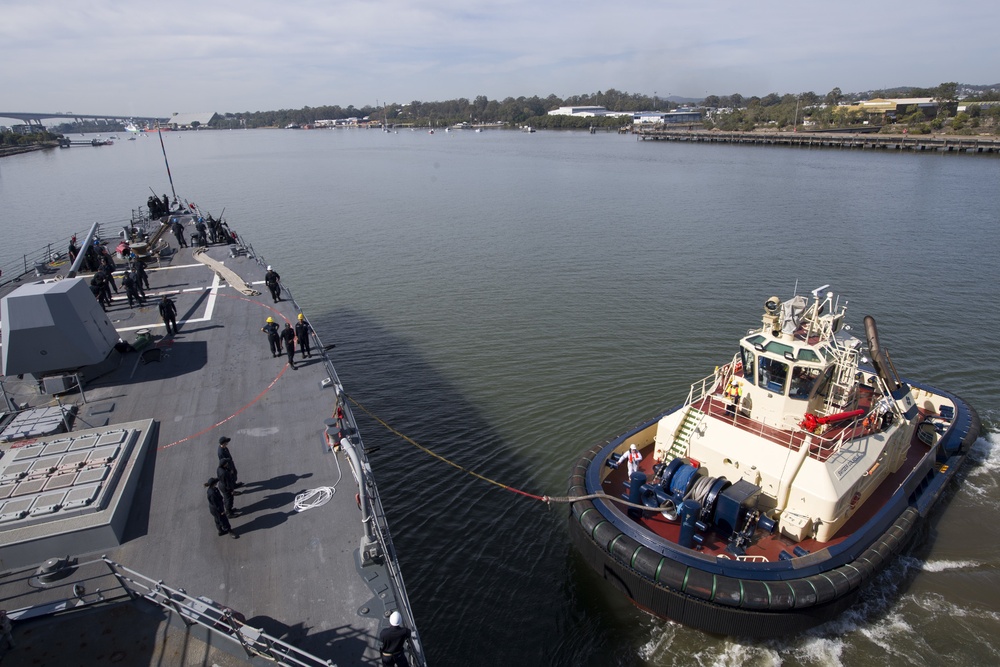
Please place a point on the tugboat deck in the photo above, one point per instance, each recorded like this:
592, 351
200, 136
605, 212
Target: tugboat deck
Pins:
296, 575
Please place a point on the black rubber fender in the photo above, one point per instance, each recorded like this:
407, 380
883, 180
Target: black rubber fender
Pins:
782, 597
728, 591
864, 566
755, 595
603, 533
672, 574
825, 589
589, 519
804, 593
700, 584
647, 562
623, 548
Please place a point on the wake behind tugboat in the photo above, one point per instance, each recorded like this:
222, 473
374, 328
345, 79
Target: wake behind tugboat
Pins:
782, 485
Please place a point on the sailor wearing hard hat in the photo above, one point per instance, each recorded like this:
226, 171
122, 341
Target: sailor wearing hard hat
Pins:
271, 329
393, 638
632, 456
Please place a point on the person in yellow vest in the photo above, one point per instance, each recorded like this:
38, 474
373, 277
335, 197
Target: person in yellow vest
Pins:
733, 393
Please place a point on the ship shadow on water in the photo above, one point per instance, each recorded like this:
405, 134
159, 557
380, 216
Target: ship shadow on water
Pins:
486, 570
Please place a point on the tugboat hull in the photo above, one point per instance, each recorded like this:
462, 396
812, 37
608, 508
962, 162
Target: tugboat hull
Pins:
754, 599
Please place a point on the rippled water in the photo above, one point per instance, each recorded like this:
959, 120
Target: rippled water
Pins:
508, 299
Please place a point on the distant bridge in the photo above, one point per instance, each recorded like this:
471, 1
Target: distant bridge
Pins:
35, 119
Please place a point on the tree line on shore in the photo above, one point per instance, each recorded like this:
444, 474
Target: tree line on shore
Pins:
726, 112
739, 112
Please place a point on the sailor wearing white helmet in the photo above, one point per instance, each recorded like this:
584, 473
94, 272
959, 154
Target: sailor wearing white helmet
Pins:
632, 456
273, 282
393, 640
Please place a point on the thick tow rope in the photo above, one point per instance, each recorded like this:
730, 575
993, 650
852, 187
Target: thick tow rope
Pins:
225, 273
545, 499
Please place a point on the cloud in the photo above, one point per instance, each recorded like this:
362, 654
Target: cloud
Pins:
112, 57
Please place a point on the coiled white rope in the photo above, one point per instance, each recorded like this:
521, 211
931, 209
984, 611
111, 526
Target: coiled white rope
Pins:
319, 496
314, 498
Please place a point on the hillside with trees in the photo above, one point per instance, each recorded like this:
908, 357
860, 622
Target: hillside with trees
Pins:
727, 112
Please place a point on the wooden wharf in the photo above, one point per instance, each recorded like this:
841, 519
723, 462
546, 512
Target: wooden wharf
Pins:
886, 142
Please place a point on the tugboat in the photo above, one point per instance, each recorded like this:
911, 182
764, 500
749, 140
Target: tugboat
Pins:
786, 481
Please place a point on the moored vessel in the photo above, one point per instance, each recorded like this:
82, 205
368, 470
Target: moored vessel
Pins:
787, 479
112, 422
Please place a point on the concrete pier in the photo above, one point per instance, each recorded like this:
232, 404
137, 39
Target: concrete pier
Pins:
887, 142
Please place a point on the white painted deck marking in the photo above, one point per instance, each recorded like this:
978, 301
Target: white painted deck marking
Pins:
209, 308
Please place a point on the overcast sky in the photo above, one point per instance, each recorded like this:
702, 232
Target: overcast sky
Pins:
153, 59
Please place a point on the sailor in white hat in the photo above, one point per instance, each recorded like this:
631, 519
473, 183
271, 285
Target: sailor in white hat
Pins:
393, 638
633, 457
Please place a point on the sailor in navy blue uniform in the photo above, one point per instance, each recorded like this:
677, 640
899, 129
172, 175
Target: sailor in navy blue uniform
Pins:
227, 484
226, 455
273, 282
302, 330
288, 337
393, 638
273, 339
216, 505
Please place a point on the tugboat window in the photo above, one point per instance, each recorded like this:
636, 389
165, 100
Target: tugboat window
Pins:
748, 366
803, 381
772, 375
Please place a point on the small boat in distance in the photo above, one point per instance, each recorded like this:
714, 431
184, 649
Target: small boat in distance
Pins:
786, 481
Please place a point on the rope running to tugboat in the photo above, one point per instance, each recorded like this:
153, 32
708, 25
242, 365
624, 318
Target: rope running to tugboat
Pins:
506, 487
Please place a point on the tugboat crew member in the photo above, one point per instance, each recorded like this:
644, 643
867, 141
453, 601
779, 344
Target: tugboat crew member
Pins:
632, 457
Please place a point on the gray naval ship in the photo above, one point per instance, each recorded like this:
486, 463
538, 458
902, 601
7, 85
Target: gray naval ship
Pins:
110, 431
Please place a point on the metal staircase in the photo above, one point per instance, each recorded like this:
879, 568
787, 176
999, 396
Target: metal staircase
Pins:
682, 436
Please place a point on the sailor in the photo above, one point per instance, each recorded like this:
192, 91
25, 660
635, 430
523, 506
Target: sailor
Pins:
393, 639
733, 393
73, 250
288, 337
227, 484
273, 282
202, 232
98, 293
216, 506
168, 311
109, 277
131, 290
140, 272
103, 291
178, 230
166, 204
632, 457
302, 330
137, 282
271, 329
107, 261
226, 455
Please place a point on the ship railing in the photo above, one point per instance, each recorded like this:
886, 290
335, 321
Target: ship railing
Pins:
66, 586
821, 446
377, 512
219, 620
47, 261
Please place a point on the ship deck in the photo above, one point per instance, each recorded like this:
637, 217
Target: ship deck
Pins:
293, 574
767, 547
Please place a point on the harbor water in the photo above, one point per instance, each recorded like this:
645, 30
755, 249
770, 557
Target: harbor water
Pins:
507, 299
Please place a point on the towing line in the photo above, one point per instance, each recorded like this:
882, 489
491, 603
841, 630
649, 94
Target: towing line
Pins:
545, 499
